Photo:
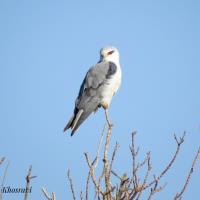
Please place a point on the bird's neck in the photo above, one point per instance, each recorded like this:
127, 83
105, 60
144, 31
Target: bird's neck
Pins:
113, 59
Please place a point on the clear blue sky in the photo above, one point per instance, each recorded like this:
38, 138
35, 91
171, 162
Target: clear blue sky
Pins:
45, 49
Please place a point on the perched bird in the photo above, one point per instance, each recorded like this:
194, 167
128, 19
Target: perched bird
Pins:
99, 85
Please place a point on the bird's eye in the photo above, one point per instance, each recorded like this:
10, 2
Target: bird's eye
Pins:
110, 52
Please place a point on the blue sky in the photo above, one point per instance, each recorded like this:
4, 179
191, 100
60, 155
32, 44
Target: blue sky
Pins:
46, 47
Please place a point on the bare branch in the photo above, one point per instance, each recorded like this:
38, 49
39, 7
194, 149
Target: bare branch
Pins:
95, 162
28, 181
115, 174
97, 186
53, 196
87, 186
45, 192
71, 185
134, 154
101, 178
2, 159
122, 192
140, 188
179, 195
155, 188
113, 156
81, 195
181, 139
128, 188
106, 164
4, 176
179, 142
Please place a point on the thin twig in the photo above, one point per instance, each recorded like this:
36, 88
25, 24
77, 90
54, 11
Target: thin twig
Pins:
179, 142
122, 192
87, 186
101, 178
141, 188
106, 164
179, 195
134, 179
154, 188
139, 165
53, 196
45, 192
115, 174
95, 162
97, 186
134, 154
28, 182
71, 185
113, 156
81, 195
2, 159
4, 176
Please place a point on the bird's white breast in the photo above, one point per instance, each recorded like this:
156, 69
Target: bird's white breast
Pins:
111, 86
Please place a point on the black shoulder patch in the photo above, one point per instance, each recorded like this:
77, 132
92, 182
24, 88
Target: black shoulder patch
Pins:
111, 70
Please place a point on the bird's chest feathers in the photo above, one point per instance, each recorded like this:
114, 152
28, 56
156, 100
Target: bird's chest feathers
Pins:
111, 86
114, 82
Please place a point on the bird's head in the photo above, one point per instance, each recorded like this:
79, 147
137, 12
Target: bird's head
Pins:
109, 54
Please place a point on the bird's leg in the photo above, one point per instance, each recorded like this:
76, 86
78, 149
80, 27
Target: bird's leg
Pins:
107, 118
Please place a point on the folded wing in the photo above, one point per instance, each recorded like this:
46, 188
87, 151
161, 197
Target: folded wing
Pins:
90, 93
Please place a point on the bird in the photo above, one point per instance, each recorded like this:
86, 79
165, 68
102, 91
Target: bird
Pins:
100, 84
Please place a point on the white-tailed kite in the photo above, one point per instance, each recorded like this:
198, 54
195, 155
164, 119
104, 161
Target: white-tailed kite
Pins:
99, 85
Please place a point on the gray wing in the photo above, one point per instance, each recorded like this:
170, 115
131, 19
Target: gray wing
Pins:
93, 83
90, 93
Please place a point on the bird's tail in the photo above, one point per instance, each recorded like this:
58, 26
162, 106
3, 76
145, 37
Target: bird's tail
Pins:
76, 120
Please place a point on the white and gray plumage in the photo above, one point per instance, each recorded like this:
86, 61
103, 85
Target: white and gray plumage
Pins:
99, 85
